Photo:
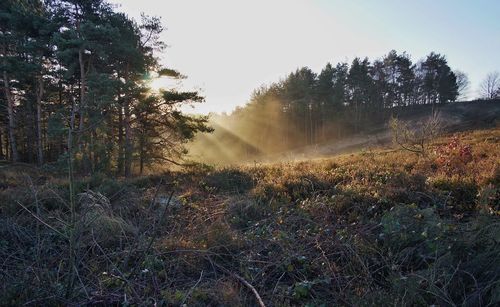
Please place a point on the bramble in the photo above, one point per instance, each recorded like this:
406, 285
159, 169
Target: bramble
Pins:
453, 157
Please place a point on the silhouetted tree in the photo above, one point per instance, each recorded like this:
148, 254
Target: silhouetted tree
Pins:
305, 108
463, 84
490, 86
80, 60
360, 89
438, 82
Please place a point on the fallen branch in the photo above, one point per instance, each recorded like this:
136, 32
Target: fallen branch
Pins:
246, 283
192, 289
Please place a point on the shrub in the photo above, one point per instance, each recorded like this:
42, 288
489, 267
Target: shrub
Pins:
415, 136
220, 239
460, 194
453, 157
489, 200
407, 226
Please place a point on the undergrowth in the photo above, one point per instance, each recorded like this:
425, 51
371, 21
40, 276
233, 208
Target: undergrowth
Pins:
391, 228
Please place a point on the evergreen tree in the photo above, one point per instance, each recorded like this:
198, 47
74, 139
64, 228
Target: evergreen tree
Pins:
439, 83
78, 61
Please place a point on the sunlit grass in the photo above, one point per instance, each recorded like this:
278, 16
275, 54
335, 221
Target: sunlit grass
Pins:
345, 218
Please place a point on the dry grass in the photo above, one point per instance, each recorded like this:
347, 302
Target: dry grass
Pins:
382, 227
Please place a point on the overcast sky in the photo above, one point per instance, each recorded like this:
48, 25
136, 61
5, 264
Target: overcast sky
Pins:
230, 47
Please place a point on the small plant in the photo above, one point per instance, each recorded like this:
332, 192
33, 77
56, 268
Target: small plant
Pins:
415, 137
461, 193
454, 156
489, 200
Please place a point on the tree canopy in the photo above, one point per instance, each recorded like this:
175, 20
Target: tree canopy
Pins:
78, 65
306, 108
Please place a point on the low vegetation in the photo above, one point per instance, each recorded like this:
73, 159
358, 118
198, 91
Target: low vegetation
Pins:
381, 227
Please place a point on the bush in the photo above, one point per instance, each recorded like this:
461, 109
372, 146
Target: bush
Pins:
408, 226
460, 193
489, 200
221, 239
415, 136
453, 157
389, 228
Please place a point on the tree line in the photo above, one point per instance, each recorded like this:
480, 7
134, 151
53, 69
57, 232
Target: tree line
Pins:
307, 108
79, 66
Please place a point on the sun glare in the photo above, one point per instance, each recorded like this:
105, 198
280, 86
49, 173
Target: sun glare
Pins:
161, 83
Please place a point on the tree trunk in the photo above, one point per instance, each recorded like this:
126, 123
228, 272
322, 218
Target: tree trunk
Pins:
306, 133
12, 122
81, 111
323, 113
71, 226
311, 132
141, 165
128, 142
1, 144
92, 151
28, 122
7, 148
128, 131
120, 136
39, 120
82, 78
355, 117
120, 139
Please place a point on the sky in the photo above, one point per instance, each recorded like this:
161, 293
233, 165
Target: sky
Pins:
228, 48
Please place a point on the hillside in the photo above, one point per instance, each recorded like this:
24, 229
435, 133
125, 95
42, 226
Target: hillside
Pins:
454, 117
378, 227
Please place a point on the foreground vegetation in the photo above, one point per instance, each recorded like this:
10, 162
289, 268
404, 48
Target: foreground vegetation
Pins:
382, 227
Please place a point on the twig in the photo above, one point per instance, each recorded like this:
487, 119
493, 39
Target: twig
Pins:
41, 221
81, 282
246, 283
122, 276
279, 279
192, 289
156, 194
38, 300
153, 230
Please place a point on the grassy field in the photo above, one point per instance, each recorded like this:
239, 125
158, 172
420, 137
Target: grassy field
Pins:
378, 228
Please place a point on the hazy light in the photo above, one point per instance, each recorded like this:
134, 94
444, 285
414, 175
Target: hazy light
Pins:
162, 83
230, 47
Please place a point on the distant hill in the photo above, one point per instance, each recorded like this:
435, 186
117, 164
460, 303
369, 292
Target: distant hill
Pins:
458, 116
455, 117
